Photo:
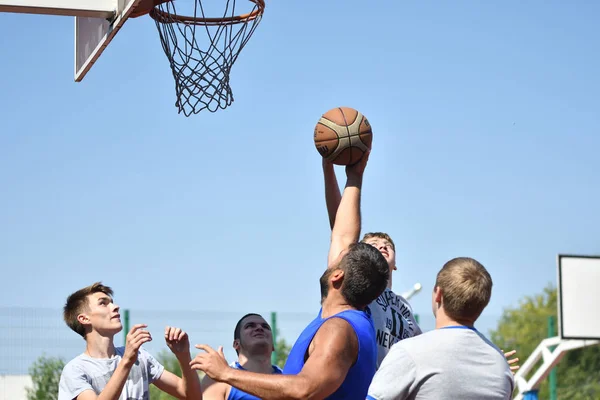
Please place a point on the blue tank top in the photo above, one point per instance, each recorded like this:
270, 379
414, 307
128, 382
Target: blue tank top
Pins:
236, 394
357, 381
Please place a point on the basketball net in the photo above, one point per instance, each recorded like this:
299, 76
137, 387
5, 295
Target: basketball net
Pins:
201, 51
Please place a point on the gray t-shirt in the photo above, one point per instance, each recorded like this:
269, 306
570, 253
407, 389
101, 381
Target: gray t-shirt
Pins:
85, 373
393, 319
447, 363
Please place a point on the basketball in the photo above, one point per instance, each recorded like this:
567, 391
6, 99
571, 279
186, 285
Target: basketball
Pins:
342, 135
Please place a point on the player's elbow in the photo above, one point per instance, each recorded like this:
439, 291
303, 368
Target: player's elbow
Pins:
306, 390
301, 393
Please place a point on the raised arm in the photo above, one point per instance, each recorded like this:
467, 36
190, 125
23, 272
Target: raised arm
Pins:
334, 351
346, 229
332, 191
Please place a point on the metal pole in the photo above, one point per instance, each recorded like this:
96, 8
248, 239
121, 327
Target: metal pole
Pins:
125, 326
552, 377
274, 333
417, 318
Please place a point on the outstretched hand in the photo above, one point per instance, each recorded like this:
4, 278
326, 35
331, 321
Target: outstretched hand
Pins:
213, 363
177, 340
136, 337
358, 168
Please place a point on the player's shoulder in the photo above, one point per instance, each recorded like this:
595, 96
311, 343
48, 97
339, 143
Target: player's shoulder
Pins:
400, 300
336, 324
75, 365
213, 388
422, 341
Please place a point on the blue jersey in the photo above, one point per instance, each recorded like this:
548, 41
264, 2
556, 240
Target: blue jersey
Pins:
236, 394
358, 379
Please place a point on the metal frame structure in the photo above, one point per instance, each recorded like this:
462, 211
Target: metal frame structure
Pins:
550, 359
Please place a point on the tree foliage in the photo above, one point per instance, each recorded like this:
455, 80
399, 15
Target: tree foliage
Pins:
282, 350
169, 361
524, 327
45, 376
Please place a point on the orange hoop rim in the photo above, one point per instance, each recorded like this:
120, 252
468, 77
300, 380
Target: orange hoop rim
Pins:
166, 17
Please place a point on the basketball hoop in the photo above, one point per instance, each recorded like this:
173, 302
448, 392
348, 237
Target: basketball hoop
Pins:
201, 50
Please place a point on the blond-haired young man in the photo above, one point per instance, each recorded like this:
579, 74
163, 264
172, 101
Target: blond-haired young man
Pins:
106, 372
454, 361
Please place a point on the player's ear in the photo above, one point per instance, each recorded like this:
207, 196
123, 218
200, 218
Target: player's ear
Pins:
83, 319
437, 294
337, 277
236, 345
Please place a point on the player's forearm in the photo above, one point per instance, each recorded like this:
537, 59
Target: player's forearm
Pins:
269, 386
114, 386
347, 221
190, 382
332, 192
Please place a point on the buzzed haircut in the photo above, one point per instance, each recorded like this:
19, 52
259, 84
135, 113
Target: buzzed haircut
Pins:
238, 327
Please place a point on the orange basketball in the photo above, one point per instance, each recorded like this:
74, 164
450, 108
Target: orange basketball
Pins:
342, 135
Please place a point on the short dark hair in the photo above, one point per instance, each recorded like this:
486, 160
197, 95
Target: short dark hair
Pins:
238, 327
78, 303
366, 273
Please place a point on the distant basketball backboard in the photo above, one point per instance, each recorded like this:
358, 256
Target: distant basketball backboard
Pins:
578, 297
93, 35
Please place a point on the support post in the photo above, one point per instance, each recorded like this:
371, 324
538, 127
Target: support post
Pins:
552, 377
274, 333
125, 326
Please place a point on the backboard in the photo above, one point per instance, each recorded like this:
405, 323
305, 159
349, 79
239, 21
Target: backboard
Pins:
578, 297
93, 35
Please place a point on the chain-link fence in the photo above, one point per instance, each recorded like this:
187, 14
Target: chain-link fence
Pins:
28, 333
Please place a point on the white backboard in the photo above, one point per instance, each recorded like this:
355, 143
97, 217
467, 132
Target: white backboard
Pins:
93, 35
578, 297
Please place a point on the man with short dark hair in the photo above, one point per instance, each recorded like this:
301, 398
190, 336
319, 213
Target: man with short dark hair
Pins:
335, 356
253, 343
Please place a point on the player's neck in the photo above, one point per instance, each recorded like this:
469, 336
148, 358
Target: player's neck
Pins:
443, 321
260, 363
333, 304
99, 346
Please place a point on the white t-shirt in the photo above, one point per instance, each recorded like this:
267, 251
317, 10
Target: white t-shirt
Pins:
393, 319
85, 373
447, 363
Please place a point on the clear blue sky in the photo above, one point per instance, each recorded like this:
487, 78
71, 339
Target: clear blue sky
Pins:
486, 134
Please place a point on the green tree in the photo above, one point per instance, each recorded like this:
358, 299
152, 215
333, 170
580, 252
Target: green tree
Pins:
169, 361
524, 327
282, 350
45, 376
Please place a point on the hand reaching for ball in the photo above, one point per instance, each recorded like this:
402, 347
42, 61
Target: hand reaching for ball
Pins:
358, 169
